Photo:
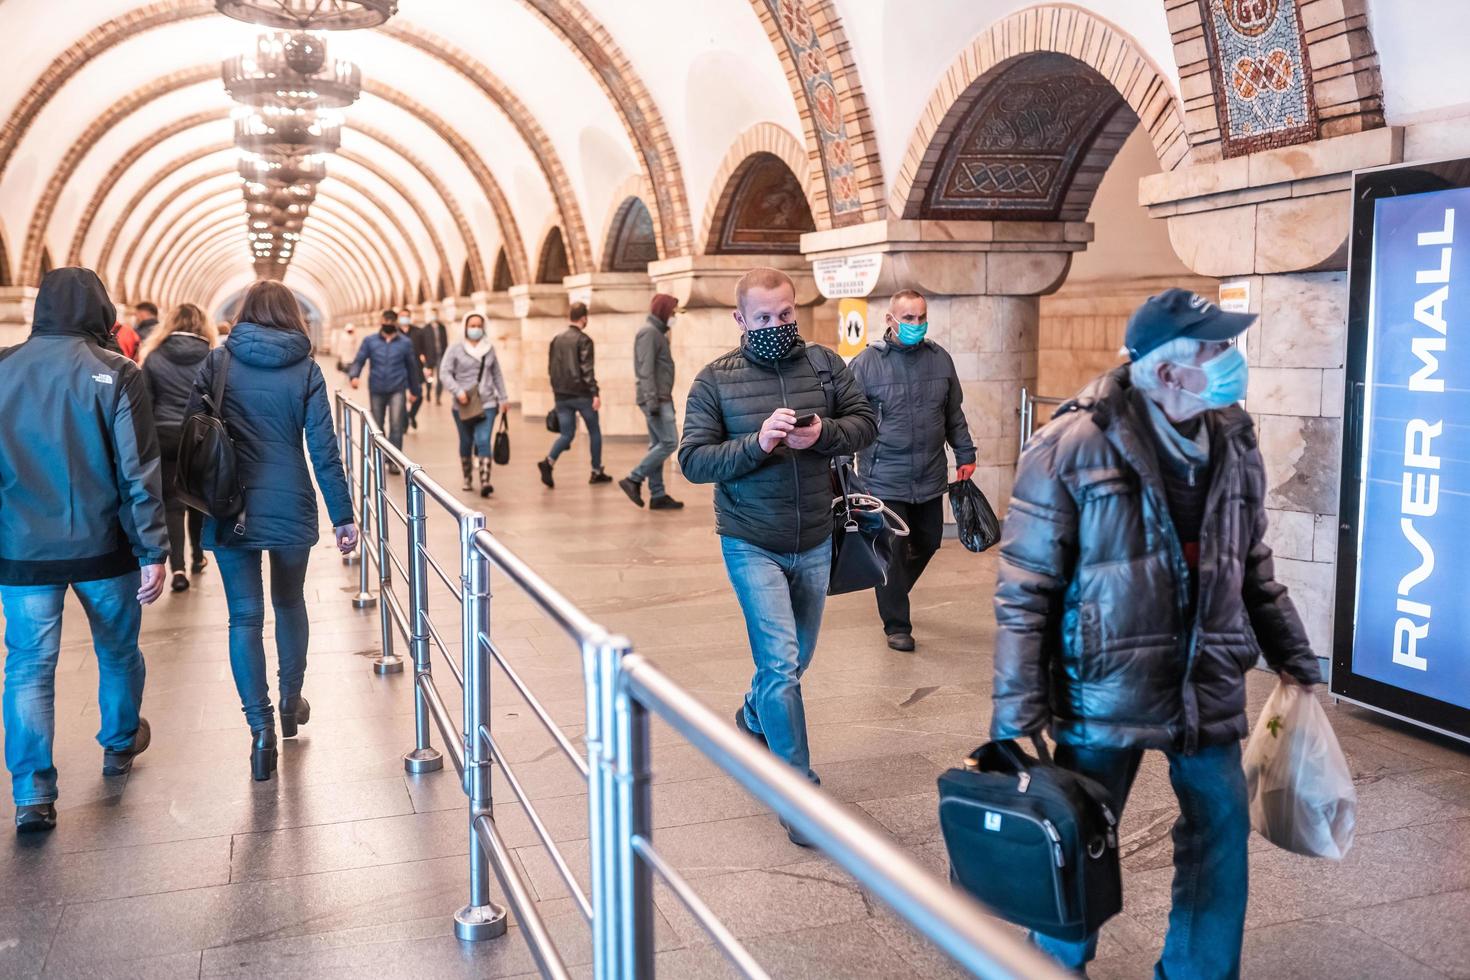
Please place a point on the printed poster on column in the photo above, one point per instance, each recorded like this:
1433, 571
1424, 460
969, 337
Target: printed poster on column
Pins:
1413, 611
852, 327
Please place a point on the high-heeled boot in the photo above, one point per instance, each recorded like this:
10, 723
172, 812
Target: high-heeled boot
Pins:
485, 488
466, 467
295, 711
262, 753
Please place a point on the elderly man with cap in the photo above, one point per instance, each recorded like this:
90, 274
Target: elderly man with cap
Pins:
1135, 591
653, 364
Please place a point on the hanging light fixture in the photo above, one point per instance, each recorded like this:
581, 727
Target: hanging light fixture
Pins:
283, 171
287, 132
310, 15
292, 71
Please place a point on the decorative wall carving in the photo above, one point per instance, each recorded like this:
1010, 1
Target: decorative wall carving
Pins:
1261, 75
632, 244
552, 267
767, 212
1030, 125
502, 279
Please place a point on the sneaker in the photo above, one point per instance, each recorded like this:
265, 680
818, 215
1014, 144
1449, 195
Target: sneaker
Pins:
795, 836
120, 762
665, 502
599, 476
486, 490
35, 818
632, 489
180, 583
744, 727
902, 642
545, 467
200, 564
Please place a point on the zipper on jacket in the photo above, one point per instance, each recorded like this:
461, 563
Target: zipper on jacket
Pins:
795, 467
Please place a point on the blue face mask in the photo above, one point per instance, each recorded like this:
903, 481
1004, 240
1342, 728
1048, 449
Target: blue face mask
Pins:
1226, 379
910, 334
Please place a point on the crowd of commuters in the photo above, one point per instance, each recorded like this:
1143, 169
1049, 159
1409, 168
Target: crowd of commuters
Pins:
1134, 592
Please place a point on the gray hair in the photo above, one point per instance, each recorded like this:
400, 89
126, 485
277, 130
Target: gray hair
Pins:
1144, 372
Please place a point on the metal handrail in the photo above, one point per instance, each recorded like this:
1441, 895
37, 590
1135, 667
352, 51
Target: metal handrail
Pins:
1027, 411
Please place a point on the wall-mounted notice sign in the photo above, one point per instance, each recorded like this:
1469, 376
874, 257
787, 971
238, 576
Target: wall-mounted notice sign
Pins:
1403, 638
847, 276
852, 327
1235, 295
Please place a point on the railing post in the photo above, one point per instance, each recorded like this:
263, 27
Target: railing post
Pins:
388, 662
344, 447
597, 676
366, 520
633, 820
424, 757
481, 918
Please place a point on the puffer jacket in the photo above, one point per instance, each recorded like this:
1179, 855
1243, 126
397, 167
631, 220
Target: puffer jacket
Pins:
653, 364
1093, 589
273, 393
461, 371
81, 489
170, 371
917, 396
782, 500
571, 362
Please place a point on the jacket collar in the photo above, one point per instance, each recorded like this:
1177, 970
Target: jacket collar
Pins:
890, 343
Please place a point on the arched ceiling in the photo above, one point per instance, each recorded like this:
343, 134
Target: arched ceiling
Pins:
483, 124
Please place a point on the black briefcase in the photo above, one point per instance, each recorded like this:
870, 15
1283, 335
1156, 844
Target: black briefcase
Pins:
1036, 843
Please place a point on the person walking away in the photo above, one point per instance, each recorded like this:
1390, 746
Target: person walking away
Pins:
431, 351
1136, 590
127, 340
570, 361
439, 345
912, 385
395, 369
145, 319
470, 365
81, 507
407, 327
773, 500
274, 396
653, 366
171, 358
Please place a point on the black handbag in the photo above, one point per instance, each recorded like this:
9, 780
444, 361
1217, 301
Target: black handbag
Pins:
501, 450
553, 424
978, 526
207, 477
1036, 843
863, 534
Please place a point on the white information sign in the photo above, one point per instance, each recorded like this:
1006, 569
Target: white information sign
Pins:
847, 276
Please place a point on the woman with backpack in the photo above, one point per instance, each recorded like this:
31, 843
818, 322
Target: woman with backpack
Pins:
171, 357
471, 372
274, 394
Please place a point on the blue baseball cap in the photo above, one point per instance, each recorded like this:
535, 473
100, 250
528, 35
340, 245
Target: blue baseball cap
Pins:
1177, 313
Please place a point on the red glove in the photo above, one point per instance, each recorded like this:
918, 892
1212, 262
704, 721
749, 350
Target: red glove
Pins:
963, 472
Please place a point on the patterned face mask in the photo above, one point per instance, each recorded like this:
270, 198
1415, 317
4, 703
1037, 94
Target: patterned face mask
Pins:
771, 343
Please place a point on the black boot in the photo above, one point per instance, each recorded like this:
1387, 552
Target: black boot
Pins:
467, 468
485, 488
295, 711
262, 753
35, 818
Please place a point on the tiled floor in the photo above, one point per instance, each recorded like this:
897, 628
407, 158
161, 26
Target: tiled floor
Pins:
345, 866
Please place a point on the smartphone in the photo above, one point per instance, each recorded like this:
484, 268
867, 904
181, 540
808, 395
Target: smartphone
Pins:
802, 421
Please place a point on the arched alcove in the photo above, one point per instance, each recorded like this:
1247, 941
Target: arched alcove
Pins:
631, 243
552, 266
502, 279
4, 262
446, 286
466, 280
46, 264
423, 293
762, 209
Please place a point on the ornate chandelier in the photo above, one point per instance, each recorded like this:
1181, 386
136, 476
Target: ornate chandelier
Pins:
310, 15
283, 171
292, 71
287, 132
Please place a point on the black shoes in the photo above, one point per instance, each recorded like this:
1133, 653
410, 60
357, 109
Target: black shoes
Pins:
199, 565
120, 762
35, 818
902, 642
545, 467
180, 583
632, 489
744, 727
599, 476
263, 754
665, 502
294, 711
795, 836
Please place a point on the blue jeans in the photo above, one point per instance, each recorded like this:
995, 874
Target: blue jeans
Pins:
567, 410
240, 570
1211, 869
663, 439
32, 643
474, 437
391, 414
782, 595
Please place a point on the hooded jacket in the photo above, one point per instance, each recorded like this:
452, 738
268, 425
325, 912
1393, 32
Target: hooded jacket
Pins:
274, 393
781, 500
461, 371
917, 396
170, 371
80, 482
1092, 599
653, 364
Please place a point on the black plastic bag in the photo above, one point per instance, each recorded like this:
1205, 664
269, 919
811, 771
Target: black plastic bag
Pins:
979, 527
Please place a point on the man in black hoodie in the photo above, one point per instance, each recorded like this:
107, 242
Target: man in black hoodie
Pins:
81, 505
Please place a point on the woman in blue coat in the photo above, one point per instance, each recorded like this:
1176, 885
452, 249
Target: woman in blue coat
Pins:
274, 392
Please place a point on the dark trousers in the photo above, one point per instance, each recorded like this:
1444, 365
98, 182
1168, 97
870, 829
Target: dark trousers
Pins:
177, 516
910, 556
567, 410
240, 571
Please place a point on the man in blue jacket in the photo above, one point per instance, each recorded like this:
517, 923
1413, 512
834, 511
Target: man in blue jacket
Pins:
395, 368
81, 505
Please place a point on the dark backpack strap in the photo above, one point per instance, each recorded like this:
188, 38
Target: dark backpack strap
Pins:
824, 376
216, 395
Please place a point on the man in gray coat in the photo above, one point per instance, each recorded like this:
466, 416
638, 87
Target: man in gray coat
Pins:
653, 364
912, 384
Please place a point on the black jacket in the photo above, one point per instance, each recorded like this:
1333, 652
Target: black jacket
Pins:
170, 371
781, 501
653, 364
80, 482
430, 342
917, 396
1092, 598
570, 362
273, 394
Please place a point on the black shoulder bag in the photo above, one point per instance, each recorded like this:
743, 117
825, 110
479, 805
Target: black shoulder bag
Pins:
208, 475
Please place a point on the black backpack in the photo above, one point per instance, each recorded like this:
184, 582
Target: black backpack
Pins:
1036, 843
208, 474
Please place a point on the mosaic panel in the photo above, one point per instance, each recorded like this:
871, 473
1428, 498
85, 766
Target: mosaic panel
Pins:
768, 211
1263, 81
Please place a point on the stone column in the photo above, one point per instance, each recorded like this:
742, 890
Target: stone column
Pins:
617, 307
1278, 221
17, 304
542, 311
983, 281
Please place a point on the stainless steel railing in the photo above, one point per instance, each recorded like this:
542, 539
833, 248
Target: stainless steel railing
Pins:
622, 690
1028, 413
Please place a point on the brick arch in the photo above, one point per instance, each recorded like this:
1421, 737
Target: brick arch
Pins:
626, 248
4, 260
1058, 29
551, 258
215, 254
633, 189
842, 171
760, 138
501, 279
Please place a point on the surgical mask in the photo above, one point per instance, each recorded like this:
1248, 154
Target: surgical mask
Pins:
475, 334
910, 334
1226, 379
771, 343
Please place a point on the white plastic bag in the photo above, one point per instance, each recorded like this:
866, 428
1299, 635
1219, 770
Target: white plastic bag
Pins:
1300, 789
